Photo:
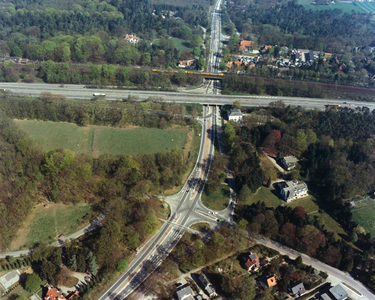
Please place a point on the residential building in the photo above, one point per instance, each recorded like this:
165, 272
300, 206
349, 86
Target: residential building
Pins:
298, 290
234, 115
184, 292
246, 46
9, 279
210, 290
289, 162
252, 262
338, 293
186, 63
132, 38
268, 281
54, 294
292, 190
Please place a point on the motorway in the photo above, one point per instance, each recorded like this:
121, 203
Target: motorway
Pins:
79, 92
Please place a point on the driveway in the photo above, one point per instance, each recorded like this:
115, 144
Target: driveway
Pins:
81, 282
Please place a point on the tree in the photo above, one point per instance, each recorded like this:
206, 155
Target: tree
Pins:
299, 211
73, 262
62, 276
92, 265
353, 237
269, 182
33, 282
16, 51
122, 265
298, 262
236, 104
196, 52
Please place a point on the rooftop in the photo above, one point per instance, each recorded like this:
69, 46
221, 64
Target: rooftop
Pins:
10, 278
290, 159
338, 292
184, 292
299, 289
235, 112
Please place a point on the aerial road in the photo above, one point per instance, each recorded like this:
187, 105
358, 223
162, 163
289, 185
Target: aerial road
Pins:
80, 92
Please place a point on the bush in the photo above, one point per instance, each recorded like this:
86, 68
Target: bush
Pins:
122, 265
323, 274
33, 282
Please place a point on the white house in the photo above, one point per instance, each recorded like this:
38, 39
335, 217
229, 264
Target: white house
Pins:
9, 279
132, 38
292, 190
234, 115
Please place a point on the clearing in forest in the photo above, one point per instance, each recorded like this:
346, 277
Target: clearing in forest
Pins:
45, 223
96, 140
365, 216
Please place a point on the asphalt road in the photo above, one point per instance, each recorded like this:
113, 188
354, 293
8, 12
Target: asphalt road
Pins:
79, 92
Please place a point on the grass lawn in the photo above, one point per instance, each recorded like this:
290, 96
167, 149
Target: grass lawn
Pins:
96, 140
345, 7
218, 200
202, 227
138, 140
265, 195
309, 204
178, 43
53, 220
51, 135
331, 224
365, 217
71, 281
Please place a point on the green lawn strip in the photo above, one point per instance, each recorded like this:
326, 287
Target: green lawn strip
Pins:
202, 227
345, 7
330, 224
218, 200
365, 216
309, 205
55, 135
265, 194
138, 140
42, 226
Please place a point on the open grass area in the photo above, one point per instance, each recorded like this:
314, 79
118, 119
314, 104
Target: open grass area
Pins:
138, 140
309, 205
218, 200
265, 194
330, 224
180, 44
71, 281
96, 140
202, 227
365, 216
49, 222
51, 135
345, 7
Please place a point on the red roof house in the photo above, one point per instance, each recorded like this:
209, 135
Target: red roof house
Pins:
54, 294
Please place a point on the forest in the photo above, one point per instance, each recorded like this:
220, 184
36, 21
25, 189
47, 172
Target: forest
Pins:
335, 149
59, 175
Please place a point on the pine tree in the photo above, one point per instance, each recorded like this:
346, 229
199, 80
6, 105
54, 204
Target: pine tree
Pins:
73, 262
93, 267
269, 182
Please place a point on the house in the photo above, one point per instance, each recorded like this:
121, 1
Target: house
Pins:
291, 190
132, 38
234, 115
289, 162
186, 63
54, 294
298, 290
9, 279
246, 46
252, 262
207, 286
338, 293
184, 292
265, 49
268, 282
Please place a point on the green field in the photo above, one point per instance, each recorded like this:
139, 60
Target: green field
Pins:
365, 217
265, 195
95, 140
345, 7
138, 140
50, 135
178, 43
49, 222
218, 200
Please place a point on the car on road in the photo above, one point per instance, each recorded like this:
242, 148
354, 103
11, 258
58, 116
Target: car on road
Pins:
220, 220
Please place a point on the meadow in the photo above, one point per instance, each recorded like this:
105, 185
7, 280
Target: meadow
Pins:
218, 200
345, 7
264, 194
365, 216
46, 223
96, 140
180, 44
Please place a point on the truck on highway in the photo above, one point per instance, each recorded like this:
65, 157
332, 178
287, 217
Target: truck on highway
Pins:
98, 95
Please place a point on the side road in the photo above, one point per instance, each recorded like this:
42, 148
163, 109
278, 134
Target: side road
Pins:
351, 285
92, 226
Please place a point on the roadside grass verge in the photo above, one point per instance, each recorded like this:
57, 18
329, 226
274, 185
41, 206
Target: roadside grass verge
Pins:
218, 200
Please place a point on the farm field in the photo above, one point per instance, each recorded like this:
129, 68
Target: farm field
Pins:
365, 216
46, 223
179, 44
96, 140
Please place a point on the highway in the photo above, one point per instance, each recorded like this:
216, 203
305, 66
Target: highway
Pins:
79, 92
